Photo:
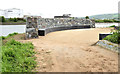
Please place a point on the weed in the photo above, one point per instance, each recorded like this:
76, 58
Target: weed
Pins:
17, 57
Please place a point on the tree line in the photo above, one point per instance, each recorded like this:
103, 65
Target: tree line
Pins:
3, 19
104, 20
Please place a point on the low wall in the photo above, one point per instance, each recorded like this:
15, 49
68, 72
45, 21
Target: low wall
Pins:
31, 27
41, 26
102, 36
43, 32
109, 45
59, 22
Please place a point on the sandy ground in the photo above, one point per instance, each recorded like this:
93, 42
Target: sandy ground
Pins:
74, 51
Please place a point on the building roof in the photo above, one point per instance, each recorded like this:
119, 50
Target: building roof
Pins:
13, 9
1, 10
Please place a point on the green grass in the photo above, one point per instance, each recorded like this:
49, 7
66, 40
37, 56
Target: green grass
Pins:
17, 57
5, 37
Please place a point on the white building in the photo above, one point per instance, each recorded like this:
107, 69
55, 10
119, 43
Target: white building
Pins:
12, 13
2, 12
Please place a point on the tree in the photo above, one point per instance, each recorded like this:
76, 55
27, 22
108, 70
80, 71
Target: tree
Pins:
0, 19
24, 20
87, 17
11, 19
15, 19
3, 19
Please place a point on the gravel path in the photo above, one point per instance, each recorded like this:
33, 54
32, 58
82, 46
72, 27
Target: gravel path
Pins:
74, 51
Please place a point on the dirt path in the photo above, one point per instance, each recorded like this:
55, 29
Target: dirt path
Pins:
73, 51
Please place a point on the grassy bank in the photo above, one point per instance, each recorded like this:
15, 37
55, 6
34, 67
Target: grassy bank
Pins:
17, 56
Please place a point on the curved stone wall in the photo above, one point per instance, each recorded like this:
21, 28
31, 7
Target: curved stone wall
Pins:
43, 32
62, 22
36, 26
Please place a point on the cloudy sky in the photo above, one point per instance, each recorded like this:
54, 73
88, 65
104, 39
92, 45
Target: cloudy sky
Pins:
49, 8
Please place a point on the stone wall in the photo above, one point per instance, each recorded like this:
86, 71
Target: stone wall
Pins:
35, 23
44, 23
32, 27
109, 45
43, 32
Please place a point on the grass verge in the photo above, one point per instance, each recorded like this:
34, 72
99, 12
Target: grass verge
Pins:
17, 57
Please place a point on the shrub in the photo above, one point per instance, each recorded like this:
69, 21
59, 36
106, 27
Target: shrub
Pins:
18, 57
3, 19
12, 34
106, 20
112, 26
116, 21
15, 19
2, 37
11, 19
99, 21
87, 17
24, 20
20, 19
114, 37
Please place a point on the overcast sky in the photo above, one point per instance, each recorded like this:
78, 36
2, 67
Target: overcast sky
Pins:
49, 8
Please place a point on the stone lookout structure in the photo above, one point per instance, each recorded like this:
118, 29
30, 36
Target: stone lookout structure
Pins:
36, 26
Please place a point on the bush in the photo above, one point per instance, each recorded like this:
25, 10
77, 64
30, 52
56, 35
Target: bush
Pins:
18, 57
106, 20
2, 37
87, 17
20, 19
12, 34
11, 19
99, 21
15, 19
116, 21
3, 19
24, 20
112, 26
114, 37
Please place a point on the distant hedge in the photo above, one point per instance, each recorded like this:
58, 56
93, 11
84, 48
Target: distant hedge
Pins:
12, 19
107, 21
